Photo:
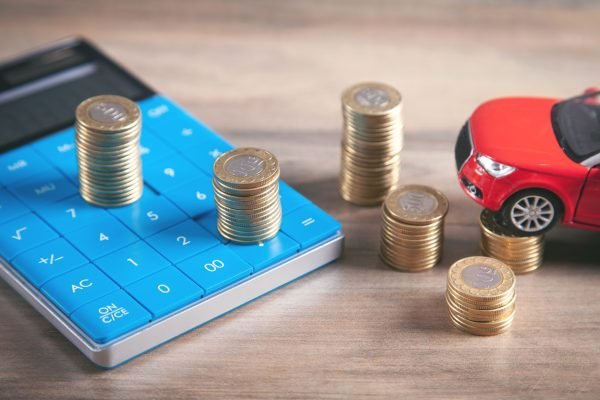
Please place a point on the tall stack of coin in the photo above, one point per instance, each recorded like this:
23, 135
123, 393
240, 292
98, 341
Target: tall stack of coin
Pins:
246, 190
481, 296
371, 144
107, 136
522, 254
412, 232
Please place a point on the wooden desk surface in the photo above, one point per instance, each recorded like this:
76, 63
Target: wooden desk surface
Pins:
269, 74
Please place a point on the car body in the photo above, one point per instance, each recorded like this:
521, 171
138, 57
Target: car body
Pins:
534, 161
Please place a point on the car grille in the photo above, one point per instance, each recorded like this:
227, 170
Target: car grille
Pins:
463, 148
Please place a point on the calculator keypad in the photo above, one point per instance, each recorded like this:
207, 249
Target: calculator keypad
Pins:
10, 207
149, 215
45, 262
165, 291
114, 270
78, 287
23, 233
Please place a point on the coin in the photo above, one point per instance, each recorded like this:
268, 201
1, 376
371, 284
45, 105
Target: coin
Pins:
246, 190
481, 296
107, 136
371, 144
412, 229
522, 254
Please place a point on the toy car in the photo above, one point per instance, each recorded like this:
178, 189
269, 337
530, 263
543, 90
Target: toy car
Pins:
534, 161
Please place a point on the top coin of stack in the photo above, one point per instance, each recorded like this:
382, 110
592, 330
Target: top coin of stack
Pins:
107, 136
521, 254
481, 296
412, 231
371, 144
246, 186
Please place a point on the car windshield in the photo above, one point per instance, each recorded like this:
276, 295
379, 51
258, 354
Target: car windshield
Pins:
576, 123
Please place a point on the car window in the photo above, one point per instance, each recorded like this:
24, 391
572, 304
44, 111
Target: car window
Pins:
576, 123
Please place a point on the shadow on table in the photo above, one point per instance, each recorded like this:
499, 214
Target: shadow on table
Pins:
573, 246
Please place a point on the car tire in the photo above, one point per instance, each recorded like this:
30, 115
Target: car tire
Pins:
531, 212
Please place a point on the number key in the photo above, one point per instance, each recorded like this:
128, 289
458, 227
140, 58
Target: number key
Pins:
149, 215
71, 214
216, 268
165, 291
170, 172
105, 236
182, 241
195, 198
132, 263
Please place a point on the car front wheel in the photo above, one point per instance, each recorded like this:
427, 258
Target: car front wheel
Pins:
531, 212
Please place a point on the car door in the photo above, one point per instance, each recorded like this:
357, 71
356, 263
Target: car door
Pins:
588, 209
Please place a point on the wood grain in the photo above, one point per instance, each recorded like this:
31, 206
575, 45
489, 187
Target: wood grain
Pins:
269, 74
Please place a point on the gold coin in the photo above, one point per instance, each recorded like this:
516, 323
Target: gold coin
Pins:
246, 167
246, 191
412, 231
371, 144
417, 204
481, 278
371, 99
107, 135
522, 254
481, 295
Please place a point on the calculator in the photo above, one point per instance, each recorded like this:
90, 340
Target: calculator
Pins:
117, 282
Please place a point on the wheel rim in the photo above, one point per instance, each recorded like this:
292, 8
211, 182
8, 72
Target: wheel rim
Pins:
532, 213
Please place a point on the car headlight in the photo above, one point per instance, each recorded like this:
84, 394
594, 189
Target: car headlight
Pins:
494, 168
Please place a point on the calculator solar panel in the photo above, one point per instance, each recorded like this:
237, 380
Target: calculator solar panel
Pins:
119, 281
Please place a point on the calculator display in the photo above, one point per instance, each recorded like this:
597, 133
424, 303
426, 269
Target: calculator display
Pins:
39, 93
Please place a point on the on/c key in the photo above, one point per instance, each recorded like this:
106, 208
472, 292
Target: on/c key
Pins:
110, 316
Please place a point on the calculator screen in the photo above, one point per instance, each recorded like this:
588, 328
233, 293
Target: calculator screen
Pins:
39, 92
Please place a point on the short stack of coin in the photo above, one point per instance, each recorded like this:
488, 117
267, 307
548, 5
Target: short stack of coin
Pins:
522, 254
371, 144
107, 136
481, 296
246, 190
412, 232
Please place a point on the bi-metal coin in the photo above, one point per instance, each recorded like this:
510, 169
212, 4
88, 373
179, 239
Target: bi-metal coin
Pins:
481, 295
246, 188
107, 136
412, 230
371, 143
522, 254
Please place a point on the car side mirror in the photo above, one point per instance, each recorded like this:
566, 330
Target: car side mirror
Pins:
592, 99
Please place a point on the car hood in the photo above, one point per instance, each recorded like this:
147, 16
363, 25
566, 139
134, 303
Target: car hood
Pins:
518, 131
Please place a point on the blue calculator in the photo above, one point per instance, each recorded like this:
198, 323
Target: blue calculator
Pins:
118, 282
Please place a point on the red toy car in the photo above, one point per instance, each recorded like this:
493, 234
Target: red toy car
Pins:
534, 161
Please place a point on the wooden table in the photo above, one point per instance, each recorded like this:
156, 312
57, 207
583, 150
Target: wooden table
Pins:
269, 74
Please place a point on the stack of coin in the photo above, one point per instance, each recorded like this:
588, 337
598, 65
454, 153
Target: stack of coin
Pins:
481, 296
412, 232
246, 190
371, 144
522, 254
107, 136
